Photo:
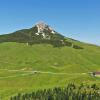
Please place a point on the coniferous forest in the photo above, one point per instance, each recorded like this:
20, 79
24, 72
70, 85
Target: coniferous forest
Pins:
70, 92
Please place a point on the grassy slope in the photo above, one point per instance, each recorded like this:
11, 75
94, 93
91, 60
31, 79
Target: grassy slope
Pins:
45, 58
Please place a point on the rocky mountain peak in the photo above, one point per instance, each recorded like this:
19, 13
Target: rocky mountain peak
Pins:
43, 28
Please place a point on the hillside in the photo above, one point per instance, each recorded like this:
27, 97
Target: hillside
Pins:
47, 58
30, 62
42, 48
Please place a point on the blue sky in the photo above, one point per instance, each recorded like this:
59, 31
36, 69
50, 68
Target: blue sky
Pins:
79, 19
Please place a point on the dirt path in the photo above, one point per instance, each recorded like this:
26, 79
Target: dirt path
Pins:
37, 72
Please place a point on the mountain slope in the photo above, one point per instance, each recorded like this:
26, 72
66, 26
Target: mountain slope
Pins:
47, 58
73, 56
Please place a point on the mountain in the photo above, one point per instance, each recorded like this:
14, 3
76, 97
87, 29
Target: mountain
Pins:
40, 33
32, 59
35, 47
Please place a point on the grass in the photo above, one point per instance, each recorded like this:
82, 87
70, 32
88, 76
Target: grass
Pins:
47, 58
32, 82
42, 57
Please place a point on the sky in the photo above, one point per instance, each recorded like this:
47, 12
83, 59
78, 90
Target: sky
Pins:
77, 19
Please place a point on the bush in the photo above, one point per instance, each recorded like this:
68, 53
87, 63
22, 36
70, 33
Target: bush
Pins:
77, 47
71, 92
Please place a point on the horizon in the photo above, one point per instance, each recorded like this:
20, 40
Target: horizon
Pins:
75, 19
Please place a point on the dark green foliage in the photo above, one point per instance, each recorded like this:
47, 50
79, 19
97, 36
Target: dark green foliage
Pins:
77, 47
67, 43
71, 92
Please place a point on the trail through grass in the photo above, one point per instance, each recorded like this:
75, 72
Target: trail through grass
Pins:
35, 72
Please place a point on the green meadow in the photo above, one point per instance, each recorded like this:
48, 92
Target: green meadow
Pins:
29, 68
